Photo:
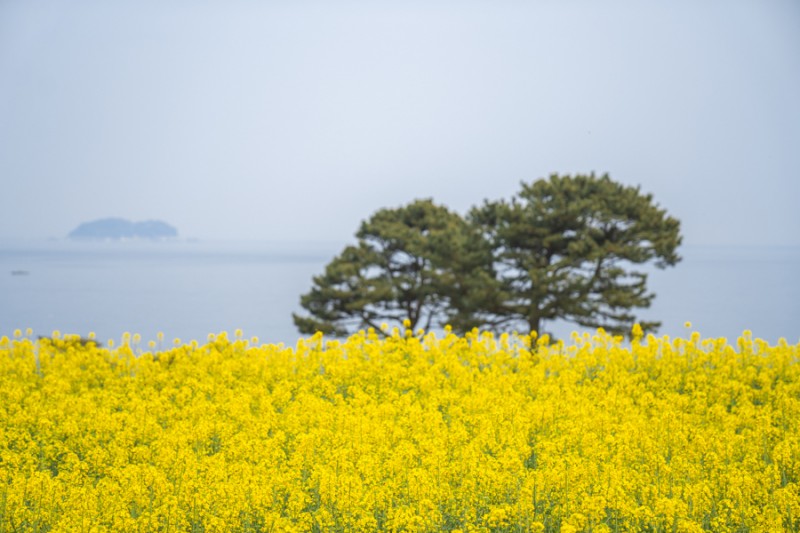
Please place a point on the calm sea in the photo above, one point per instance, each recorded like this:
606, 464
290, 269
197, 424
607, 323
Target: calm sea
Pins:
187, 290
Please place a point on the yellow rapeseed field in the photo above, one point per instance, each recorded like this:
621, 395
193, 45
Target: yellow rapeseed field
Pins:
400, 432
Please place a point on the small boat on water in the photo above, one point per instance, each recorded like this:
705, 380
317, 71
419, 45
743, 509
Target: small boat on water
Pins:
19, 272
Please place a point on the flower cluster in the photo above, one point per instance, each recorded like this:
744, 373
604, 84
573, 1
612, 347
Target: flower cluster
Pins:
405, 432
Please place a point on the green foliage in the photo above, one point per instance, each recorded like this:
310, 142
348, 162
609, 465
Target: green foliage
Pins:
411, 263
564, 248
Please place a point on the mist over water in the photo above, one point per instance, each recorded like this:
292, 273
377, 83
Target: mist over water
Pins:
187, 290
184, 290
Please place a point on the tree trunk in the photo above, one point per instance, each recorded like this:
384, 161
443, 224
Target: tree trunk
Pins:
535, 323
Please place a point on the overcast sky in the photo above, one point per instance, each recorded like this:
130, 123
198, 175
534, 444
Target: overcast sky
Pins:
295, 120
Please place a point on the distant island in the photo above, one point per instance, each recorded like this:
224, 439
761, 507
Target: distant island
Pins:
119, 228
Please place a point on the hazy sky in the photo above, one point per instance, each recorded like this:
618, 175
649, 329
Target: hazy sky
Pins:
295, 120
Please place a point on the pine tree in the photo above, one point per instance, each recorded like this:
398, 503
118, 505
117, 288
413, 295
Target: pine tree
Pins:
566, 248
409, 263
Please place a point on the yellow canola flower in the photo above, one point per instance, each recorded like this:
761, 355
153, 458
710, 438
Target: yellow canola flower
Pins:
401, 433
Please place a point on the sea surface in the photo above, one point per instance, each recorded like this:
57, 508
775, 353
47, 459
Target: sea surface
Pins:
187, 290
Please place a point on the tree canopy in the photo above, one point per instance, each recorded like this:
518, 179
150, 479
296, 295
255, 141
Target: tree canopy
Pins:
566, 247
409, 263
